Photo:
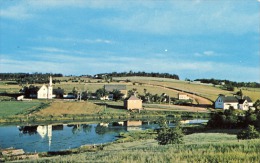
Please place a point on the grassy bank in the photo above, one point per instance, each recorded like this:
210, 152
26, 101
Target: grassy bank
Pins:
200, 147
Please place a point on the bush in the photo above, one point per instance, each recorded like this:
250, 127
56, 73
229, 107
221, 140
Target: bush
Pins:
170, 136
249, 133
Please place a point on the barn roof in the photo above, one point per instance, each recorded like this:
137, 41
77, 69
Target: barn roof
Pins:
132, 98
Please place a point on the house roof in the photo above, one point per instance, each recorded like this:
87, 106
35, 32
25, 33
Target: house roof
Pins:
132, 98
248, 99
110, 87
235, 99
229, 99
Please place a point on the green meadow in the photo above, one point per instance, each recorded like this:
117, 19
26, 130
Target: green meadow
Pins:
11, 108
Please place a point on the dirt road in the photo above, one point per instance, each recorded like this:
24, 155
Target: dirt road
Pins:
163, 107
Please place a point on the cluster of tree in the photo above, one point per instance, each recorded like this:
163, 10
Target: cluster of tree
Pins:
230, 83
26, 78
131, 73
167, 135
232, 118
29, 90
148, 97
117, 95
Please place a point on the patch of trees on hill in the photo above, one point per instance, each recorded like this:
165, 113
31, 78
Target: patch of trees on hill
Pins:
139, 73
27, 78
230, 83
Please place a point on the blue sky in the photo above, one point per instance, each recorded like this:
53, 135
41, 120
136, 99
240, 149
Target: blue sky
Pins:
190, 38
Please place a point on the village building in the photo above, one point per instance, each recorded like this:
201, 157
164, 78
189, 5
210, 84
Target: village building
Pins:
133, 103
237, 102
46, 91
109, 88
182, 96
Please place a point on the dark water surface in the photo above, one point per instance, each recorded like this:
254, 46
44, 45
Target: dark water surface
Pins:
43, 138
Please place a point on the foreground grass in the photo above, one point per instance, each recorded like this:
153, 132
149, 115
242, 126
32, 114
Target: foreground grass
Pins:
201, 147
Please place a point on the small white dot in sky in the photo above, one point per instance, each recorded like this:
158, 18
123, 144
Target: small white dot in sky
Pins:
165, 50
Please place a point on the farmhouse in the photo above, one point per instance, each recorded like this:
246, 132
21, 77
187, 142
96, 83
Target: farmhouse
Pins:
133, 103
45, 92
182, 96
109, 88
237, 102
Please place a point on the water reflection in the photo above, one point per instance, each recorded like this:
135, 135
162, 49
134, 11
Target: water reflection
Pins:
42, 138
77, 128
27, 130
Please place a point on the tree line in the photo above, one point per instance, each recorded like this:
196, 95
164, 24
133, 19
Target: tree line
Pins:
229, 83
27, 78
139, 73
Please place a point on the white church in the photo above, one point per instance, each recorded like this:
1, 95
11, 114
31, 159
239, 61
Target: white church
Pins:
45, 92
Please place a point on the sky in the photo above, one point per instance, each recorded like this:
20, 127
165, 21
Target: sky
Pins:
191, 38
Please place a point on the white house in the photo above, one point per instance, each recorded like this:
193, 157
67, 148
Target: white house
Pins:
45, 92
182, 96
225, 102
110, 87
20, 98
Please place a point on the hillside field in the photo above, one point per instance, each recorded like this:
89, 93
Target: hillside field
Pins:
148, 83
204, 90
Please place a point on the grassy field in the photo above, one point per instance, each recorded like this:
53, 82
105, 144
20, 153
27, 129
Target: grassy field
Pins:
11, 108
200, 147
208, 91
59, 108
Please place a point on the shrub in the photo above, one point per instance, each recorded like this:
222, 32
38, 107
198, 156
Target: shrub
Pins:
249, 133
170, 136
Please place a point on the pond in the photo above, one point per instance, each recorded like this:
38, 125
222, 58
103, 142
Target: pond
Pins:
43, 138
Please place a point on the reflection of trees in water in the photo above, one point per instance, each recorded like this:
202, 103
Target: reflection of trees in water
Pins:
86, 128
101, 130
31, 130
77, 128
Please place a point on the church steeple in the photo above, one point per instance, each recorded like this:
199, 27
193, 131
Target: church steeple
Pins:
50, 84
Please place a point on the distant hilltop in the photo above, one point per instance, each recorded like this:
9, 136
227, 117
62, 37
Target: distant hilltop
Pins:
41, 78
139, 73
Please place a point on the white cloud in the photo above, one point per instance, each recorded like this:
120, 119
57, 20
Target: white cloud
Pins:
206, 54
189, 18
50, 49
18, 12
161, 17
75, 40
